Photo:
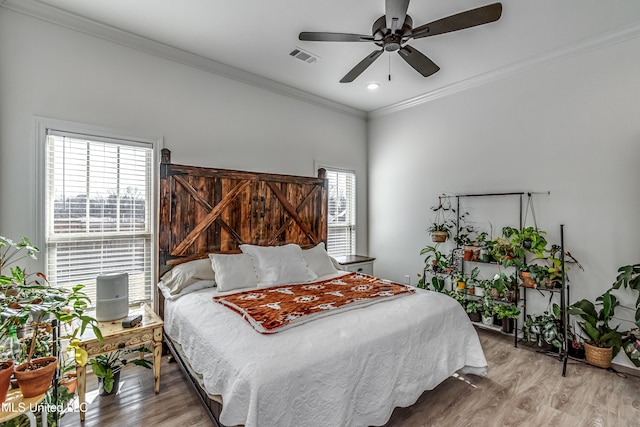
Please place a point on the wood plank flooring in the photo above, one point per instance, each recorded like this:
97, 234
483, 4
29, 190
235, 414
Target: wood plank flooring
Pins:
523, 388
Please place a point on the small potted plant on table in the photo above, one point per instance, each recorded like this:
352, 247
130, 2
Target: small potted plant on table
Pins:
107, 368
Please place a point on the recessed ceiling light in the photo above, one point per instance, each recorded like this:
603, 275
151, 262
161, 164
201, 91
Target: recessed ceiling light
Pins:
373, 86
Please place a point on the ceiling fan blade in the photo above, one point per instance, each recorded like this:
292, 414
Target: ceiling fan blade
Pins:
395, 13
362, 65
418, 61
460, 21
334, 37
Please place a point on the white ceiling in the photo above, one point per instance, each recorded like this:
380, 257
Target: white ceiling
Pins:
257, 35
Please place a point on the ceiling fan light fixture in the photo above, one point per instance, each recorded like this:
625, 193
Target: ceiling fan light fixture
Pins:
373, 85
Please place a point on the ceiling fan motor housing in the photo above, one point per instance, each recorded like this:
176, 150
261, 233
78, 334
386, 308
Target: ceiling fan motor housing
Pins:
384, 37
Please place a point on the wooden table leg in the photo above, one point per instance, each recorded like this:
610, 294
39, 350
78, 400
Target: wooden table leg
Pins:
82, 388
157, 356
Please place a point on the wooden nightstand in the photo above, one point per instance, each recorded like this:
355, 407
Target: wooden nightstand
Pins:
357, 263
116, 337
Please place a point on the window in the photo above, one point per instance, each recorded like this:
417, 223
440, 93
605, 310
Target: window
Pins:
341, 231
99, 211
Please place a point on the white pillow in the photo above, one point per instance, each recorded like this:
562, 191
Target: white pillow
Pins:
319, 261
183, 275
279, 265
233, 271
197, 286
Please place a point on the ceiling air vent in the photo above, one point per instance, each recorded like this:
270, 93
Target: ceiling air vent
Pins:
303, 55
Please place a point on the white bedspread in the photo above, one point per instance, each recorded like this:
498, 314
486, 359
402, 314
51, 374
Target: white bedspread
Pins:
351, 369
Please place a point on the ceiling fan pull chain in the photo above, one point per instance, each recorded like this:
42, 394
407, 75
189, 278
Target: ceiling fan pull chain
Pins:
389, 56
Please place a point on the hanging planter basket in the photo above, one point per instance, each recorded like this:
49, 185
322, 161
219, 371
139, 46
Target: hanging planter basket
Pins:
439, 236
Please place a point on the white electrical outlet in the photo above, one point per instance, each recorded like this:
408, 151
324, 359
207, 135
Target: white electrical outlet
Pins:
407, 279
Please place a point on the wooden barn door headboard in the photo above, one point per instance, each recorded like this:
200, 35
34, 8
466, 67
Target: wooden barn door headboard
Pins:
205, 210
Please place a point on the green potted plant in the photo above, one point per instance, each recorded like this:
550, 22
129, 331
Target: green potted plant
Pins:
107, 368
535, 276
487, 310
473, 309
443, 223
30, 296
481, 287
433, 258
507, 314
629, 277
602, 342
472, 280
531, 239
632, 345
500, 283
459, 280
501, 250
545, 328
437, 282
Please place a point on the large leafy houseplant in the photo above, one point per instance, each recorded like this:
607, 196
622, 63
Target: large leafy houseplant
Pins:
595, 323
30, 296
629, 277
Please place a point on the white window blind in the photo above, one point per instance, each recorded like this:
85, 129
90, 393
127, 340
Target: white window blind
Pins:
341, 239
99, 211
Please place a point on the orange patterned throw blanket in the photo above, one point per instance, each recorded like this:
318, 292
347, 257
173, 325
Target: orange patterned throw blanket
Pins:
271, 310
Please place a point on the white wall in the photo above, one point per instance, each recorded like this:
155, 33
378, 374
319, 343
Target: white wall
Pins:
571, 128
50, 71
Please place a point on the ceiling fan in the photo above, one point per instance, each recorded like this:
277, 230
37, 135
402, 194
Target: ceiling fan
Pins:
395, 28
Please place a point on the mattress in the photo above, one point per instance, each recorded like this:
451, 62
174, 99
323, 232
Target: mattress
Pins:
349, 369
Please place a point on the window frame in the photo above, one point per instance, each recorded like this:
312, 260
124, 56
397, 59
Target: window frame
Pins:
42, 125
354, 225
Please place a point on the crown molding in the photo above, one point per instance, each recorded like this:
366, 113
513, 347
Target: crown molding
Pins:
580, 48
75, 22
69, 20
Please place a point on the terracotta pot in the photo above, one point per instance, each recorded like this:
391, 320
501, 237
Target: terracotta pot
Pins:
439, 236
36, 381
69, 381
468, 252
527, 281
6, 370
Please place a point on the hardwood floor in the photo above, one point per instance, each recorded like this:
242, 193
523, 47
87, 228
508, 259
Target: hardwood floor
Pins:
523, 388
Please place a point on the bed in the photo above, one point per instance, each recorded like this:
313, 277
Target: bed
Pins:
349, 368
